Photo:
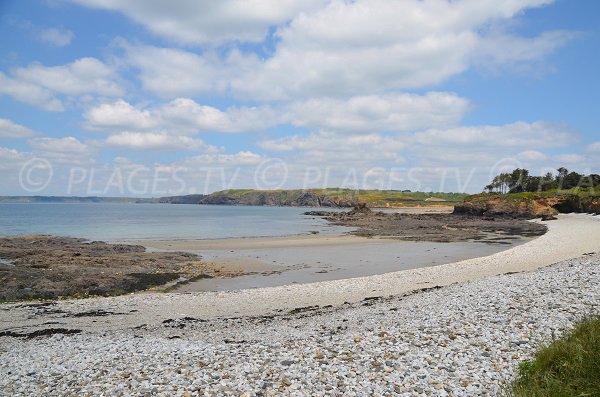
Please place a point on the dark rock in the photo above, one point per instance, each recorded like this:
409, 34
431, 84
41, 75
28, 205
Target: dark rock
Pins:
548, 218
41, 333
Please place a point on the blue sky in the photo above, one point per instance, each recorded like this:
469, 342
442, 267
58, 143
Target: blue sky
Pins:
145, 98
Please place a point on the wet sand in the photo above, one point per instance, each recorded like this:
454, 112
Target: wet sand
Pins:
377, 243
269, 262
570, 236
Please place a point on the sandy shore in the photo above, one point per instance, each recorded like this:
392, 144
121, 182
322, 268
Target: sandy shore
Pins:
317, 240
465, 339
568, 237
462, 340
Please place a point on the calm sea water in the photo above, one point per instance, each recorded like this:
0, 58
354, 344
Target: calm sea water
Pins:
122, 222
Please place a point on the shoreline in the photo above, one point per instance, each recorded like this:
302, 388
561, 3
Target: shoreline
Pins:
462, 340
305, 261
568, 237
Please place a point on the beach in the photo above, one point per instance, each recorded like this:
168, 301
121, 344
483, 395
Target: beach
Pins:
568, 237
454, 329
268, 262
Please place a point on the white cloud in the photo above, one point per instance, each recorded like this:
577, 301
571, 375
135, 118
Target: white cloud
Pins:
57, 36
155, 141
376, 113
518, 134
66, 150
181, 116
82, 76
206, 21
570, 158
29, 93
531, 155
41, 85
509, 50
244, 157
593, 147
361, 114
11, 157
323, 148
119, 115
8, 129
346, 49
179, 72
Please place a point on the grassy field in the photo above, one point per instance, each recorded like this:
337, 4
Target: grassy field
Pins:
373, 198
569, 366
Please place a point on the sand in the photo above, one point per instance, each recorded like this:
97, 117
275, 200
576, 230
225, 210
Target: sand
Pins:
570, 236
256, 242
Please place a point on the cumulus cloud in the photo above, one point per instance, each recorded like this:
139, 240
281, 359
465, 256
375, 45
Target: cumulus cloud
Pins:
11, 157
345, 49
179, 116
82, 76
244, 157
155, 141
360, 114
29, 93
531, 155
41, 85
518, 134
57, 36
499, 50
66, 150
465, 154
375, 113
9, 129
205, 21
179, 72
323, 148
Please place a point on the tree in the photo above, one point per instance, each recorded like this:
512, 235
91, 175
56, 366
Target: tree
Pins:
519, 180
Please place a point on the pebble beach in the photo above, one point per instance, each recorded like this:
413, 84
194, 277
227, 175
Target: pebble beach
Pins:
462, 339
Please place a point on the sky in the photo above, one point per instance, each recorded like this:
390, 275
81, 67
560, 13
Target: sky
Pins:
151, 98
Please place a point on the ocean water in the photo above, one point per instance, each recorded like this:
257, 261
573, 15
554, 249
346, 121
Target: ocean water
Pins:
123, 222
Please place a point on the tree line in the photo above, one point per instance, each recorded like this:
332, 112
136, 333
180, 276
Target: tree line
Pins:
519, 181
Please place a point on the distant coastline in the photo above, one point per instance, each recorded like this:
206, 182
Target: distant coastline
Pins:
341, 198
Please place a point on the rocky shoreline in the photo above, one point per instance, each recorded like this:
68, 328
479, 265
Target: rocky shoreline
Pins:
461, 340
458, 329
49, 267
442, 227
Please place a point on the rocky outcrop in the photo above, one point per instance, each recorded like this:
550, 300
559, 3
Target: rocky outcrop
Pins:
47, 267
187, 199
430, 227
285, 198
527, 205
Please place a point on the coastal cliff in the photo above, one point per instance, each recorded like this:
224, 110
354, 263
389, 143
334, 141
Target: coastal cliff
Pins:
286, 198
283, 198
527, 205
336, 198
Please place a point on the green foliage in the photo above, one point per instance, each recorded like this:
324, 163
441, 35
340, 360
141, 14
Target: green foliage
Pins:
373, 198
519, 181
569, 366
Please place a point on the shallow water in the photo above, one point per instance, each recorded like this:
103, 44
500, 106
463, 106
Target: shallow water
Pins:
277, 266
126, 222
292, 265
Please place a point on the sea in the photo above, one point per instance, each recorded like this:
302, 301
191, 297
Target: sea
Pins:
120, 222
128, 222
